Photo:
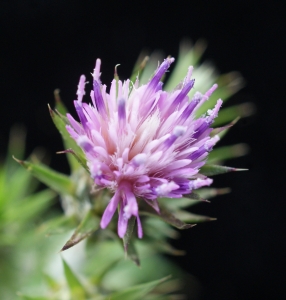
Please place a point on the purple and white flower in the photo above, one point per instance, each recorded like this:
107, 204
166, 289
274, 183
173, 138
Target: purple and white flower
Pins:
141, 142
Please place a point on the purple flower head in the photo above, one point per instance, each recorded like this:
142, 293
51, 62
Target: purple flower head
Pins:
141, 142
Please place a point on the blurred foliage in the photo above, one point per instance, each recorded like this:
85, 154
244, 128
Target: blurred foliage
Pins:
31, 234
22, 208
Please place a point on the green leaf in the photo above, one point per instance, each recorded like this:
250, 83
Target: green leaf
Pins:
15, 187
55, 180
192, 218
128, 242
230, 113
30, 207
228, 84
89, 224
60, 122
57, 225
16, 146
188, 56
186, 201
168, 217
137, 291
76, 288
25, 297
103, 256
132, 253
208, 193
139, 66
195, 197
59, 106
211, 170
157, 229
227, 152
164, 247
78, 158
51, 282
222, 131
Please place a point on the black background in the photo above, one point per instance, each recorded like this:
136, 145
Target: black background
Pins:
48, 44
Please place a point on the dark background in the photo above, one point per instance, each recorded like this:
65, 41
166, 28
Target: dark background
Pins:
48, 44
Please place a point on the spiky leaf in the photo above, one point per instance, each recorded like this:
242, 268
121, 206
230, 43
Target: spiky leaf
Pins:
55, 180
192, 218
168, 217
77, 290
137, 292
128, 242
228, 152
211, 170
60, 122
89, 224
208, 193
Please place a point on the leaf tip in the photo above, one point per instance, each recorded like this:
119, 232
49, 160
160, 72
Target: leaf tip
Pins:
57, 95
238, 170
21, 162
188, 226
223, 191
52, 113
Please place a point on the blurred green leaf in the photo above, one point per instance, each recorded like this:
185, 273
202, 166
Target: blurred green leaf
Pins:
211, 170
139, 66
208, 193
58, 225
78, 158
55, 180
150, 67
89, 224
188, 56
157, 229
222, 131
128, 243
228, 114
138, 291
76, 288
60, 122
51, 282
132, 253
187, 201
16, 147
103, 256
221, 154
25, 297
59, 106
165, 247
168, 217
30, 207
192, 218
14, 187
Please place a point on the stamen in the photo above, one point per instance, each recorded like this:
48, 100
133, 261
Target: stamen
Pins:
177, 132
159, 73
190, 108
139, 159
208, 94
189, 74
96, 72
80, 88
82, 117
208, 120
121, 114
181, 96
99, 102
198, 183
166, 188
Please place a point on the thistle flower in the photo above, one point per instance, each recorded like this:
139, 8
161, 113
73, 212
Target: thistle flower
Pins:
141, 142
